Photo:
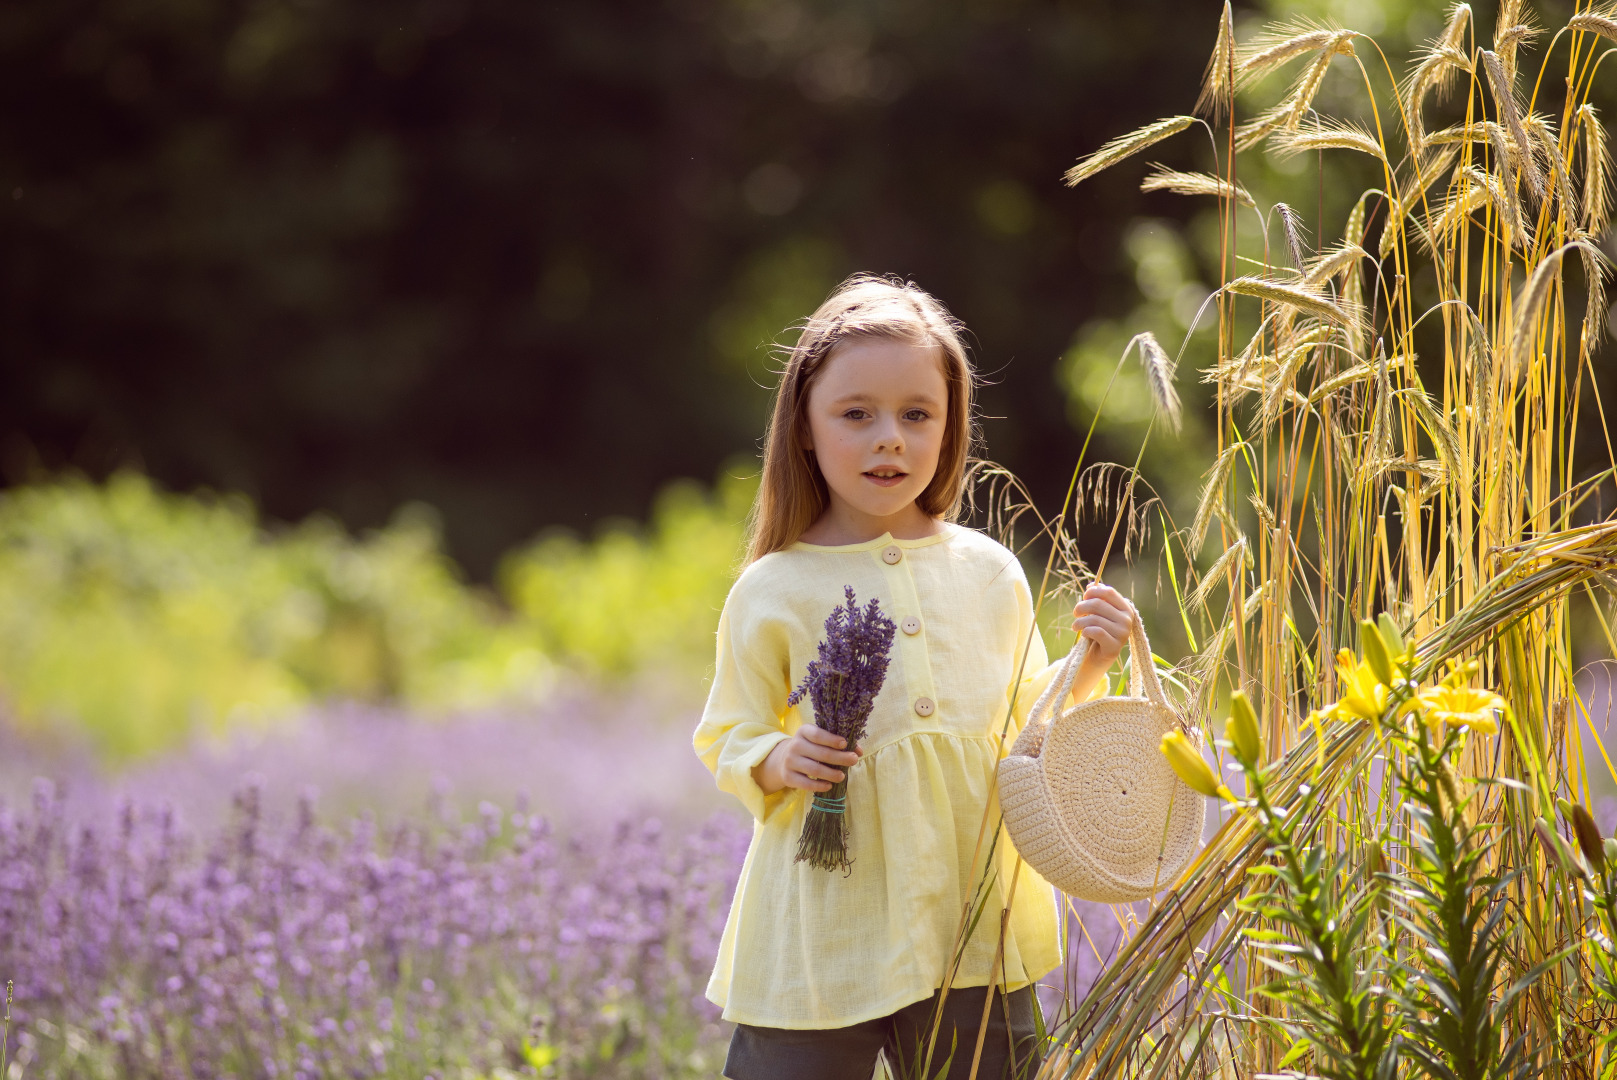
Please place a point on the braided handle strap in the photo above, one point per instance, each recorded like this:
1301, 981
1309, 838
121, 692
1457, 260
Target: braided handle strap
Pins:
1143, 681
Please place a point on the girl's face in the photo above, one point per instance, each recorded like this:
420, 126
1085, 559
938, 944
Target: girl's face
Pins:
876, 419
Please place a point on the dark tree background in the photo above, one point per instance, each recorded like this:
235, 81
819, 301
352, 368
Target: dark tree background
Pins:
519, 259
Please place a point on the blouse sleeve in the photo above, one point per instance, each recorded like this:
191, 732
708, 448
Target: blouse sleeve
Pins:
745, 715
1037, 672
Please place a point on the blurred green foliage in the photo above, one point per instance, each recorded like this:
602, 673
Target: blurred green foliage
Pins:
136, 618
635, 599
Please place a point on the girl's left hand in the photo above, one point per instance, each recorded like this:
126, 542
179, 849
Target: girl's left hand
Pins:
1105, 617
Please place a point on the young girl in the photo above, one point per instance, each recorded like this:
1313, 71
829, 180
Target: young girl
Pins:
863, 473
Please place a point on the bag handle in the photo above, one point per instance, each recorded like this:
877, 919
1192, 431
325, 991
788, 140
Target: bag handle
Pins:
1143, 681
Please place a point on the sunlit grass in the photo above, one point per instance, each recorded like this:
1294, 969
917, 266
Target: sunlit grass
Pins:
1404, 412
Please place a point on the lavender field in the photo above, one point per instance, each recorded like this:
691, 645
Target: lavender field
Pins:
364, 893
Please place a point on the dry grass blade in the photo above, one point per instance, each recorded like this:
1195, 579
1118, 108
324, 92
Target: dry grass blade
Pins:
1331, 137
1602, 21
1163, 178
1126, 146
1291, 223
1531, 302
1504, 93
1293, 296
1596, 170
1159, 373
1217, 97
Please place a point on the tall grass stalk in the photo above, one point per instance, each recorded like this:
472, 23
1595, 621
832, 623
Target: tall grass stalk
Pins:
1397, 429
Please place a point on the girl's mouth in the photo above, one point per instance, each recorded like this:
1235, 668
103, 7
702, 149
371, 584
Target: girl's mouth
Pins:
885, 477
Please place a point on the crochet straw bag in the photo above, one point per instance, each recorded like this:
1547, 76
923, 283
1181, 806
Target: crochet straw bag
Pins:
1089, 800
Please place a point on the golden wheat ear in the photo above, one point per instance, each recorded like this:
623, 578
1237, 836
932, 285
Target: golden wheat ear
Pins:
1217, 98
1162, 178
1126, 146
1159, 372
1602, 21
1333, 136
1596, 170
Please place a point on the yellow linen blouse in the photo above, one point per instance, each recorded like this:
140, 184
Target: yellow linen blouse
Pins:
807, 948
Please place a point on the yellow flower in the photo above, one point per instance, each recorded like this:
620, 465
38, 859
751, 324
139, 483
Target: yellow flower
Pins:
1462, 706
1191, 767
1362, 693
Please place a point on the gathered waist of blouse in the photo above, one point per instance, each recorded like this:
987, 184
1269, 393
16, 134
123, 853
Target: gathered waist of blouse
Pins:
991, 738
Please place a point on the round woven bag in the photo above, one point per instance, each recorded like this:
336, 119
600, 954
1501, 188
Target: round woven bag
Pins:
1089, 800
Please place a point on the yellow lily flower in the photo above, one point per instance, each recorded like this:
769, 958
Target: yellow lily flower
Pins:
1191, 767
1362, 694
1462, 706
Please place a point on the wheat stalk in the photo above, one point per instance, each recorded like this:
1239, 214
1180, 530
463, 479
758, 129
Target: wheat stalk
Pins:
1504, 94
1436, 71
1332, 137
1162, 178
1159, 373
1276, 45
1602, 21
1531, 304
1288, 294
1217, 98
1596, 170
1126, 146
1292, 226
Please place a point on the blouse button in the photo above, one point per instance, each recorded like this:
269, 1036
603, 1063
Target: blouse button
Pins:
891, 554
924, 706
911, 625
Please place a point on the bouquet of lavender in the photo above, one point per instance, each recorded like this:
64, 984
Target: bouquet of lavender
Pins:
843, 684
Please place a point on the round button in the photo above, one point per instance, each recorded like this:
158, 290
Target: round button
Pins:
891, 554
924, 706
911, 625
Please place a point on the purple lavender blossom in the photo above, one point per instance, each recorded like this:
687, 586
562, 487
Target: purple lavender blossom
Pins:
432, 947
842, 683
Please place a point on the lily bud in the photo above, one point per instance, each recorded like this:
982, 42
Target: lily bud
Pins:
1242, 730
1188, 764
1554, 847
1609, 845
1375, 651
1391, 636
1589, 839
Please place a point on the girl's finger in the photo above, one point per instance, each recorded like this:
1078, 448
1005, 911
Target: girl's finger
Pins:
822, 737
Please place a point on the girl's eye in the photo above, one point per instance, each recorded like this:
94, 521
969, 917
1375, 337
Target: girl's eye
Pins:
856, 414
917, 415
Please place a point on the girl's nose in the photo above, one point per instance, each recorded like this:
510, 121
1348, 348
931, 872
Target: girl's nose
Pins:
890, 441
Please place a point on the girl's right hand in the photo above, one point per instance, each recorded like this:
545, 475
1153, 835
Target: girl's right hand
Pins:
810, 760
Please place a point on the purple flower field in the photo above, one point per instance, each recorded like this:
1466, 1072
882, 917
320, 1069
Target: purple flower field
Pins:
155, 926
368, 894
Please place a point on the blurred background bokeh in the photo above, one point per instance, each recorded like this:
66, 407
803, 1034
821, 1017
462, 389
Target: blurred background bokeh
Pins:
416, 355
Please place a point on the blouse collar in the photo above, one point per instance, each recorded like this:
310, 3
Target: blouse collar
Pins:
886, 538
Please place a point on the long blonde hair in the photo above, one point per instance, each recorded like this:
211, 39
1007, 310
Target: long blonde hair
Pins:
792, 494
